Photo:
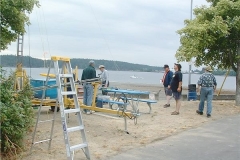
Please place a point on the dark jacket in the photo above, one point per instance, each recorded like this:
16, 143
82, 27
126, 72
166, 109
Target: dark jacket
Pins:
88, 73
168, 79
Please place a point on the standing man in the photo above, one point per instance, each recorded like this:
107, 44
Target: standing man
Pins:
176, 86
167, 77
88, 74
104, 77
207, 83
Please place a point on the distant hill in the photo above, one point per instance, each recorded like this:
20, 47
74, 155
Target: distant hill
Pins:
10, 61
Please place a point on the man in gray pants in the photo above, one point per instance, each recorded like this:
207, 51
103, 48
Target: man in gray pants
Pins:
88, 74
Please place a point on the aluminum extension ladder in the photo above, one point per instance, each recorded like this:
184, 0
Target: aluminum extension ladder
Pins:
61, 82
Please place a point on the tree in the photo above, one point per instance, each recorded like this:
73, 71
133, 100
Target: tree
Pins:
14, 18
213, 37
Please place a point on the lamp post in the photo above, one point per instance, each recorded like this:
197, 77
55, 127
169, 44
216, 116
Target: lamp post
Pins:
190, 63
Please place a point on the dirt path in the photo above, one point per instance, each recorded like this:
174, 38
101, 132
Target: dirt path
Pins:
106, 136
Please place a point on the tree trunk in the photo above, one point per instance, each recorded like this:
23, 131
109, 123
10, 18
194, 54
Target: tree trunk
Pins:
238, 78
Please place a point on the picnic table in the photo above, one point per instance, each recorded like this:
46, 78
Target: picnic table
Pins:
131, 97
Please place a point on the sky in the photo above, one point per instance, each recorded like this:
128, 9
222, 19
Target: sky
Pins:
135, 31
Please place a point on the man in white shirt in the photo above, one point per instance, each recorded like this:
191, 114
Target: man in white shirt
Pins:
104, 77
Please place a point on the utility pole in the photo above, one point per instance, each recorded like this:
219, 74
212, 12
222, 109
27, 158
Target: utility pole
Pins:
190, 63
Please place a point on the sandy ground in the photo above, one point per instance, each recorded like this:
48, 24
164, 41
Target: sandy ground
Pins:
106, 136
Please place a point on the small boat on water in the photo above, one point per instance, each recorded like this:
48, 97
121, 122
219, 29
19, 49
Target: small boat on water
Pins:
133, 76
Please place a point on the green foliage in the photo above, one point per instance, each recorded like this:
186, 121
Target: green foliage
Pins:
14, 18
10, 61
16, 114
218, 72
212, 37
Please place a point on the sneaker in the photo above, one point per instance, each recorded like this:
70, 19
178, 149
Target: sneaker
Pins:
88, 112
92, 112
198, 112
166, 105
208, 115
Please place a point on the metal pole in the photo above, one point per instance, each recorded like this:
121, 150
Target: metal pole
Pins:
190, 63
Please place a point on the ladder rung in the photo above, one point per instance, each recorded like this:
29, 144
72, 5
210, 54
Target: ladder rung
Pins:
68, 93
78, 146
66, 75
72, 129
71, 110
42, 141
49, 120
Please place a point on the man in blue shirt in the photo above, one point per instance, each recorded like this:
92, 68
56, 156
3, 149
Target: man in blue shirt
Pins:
167, 77
88, 74
207, 83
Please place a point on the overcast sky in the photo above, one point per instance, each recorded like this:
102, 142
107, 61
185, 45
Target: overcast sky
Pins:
136, 31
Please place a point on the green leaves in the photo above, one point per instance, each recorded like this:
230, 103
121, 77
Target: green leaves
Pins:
16, 114
211, 38
14, 18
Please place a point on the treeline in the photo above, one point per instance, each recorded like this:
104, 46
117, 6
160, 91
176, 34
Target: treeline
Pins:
30, 62
219, 72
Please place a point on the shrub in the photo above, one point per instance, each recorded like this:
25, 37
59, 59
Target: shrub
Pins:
16, 114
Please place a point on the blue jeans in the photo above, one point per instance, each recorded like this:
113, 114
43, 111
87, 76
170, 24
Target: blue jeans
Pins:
206, 93
87, 95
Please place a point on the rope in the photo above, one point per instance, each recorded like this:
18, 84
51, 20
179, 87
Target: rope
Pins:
104, 38
39, 28
29, 54
46, 32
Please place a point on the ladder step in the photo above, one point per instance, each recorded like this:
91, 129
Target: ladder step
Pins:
49, 120
71, 110
68, 93
78, 146
78, 128
66, 75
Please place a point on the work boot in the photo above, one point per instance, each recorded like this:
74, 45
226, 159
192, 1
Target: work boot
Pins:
166, 105
198, 112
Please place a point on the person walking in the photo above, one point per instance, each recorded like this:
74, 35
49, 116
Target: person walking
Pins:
88, 74
104, 77
167, 78
176, 86
206, 85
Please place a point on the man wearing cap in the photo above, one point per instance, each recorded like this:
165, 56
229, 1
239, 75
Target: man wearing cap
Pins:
167, 77
207, 83
104, 77
88, 74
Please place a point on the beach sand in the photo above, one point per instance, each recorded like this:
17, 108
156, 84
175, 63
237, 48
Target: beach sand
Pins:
106, 136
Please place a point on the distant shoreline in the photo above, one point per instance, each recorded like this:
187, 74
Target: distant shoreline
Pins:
124, 71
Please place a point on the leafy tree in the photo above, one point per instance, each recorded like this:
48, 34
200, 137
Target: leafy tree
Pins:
213, 37
14, 18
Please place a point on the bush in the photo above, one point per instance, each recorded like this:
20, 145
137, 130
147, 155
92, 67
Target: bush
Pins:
16, 114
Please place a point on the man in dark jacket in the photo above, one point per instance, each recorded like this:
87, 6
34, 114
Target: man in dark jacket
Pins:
88, 74
167, 77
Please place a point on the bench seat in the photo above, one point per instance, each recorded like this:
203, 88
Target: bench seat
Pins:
148, 101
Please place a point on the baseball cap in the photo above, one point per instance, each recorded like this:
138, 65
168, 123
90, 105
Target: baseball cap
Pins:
101, 66
166, 66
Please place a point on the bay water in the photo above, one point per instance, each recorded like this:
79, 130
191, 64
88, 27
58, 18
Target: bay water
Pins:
131, 77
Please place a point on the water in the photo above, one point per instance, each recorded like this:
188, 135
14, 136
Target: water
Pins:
151, 78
